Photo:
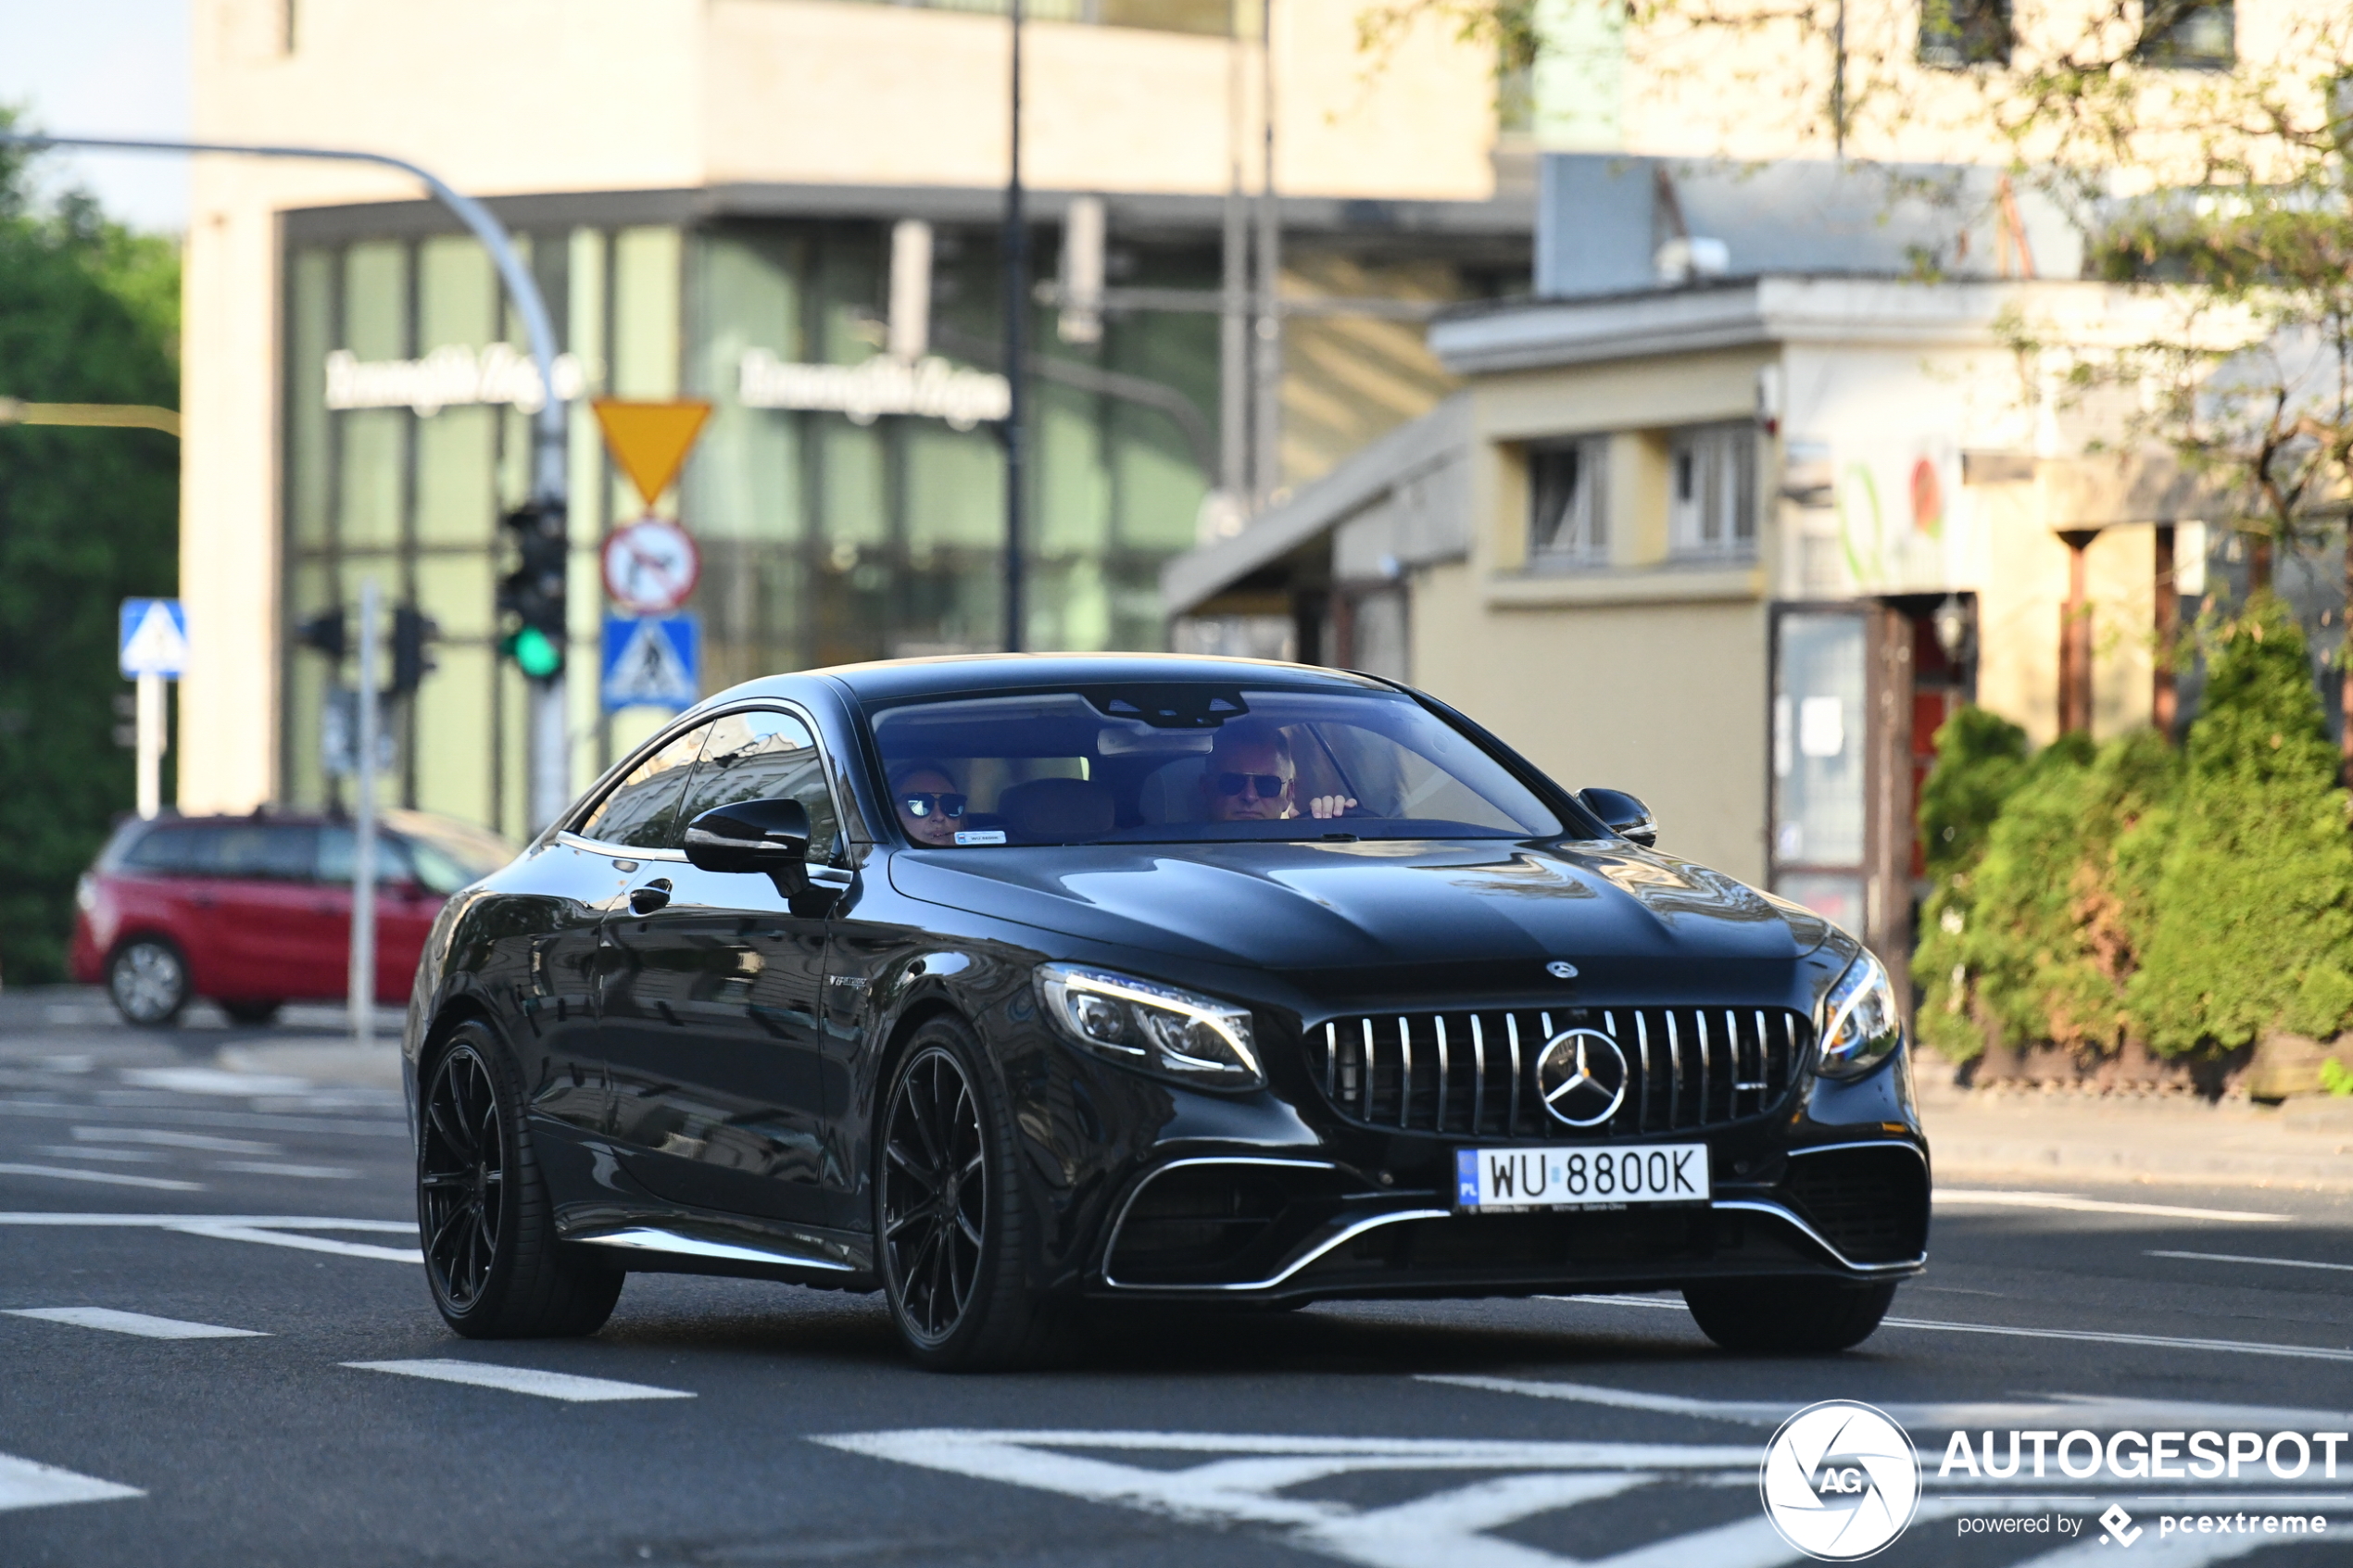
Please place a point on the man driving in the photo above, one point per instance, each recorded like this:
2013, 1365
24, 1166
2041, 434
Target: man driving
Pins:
1250, 776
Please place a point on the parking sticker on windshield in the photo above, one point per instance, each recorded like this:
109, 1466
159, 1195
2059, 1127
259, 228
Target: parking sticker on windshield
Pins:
981, 835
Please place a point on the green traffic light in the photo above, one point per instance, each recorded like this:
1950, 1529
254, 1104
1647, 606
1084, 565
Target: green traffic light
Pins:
536, 654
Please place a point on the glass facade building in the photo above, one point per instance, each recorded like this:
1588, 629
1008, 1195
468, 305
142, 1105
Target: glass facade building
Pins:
826, 536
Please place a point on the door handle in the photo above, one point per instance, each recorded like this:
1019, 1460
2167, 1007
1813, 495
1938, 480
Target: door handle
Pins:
654, 895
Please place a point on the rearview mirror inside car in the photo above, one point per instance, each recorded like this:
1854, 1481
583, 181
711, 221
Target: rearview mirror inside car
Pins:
1622, 814
750, 836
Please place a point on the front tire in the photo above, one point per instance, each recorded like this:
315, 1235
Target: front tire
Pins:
148, 978
492, 1260
1803, 1317
951, 1222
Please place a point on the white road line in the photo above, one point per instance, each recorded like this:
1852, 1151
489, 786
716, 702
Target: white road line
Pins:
173, 1140
2274, 1262
212, 1081
139, 1323
2073, 1410
267, 1230
274, 1168
111, 1178
1989, 1197
172, 1115
525, 1380
2088, 1336
24, 1484
81, 1152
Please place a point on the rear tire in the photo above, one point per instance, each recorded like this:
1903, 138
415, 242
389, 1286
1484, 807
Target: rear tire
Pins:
252, 1014
147, 977
1803, 1317
492, 1260
952, 1222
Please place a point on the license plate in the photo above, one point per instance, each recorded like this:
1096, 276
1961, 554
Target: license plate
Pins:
1500, 1179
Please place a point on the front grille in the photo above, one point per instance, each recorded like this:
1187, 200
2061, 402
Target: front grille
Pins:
1474, 1073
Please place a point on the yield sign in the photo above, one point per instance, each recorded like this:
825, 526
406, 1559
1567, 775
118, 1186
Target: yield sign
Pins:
153, 638
650, 439
649, 662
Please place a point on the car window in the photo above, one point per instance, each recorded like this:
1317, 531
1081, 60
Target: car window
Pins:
1184, 763
763, 755
438, 870
393, 863
247, 850
642, 810
166, 851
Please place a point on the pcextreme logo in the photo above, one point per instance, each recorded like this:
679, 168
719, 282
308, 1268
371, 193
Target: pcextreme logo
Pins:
1839, 1480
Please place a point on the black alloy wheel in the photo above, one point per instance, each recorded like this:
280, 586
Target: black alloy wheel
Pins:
148, 980
461, 1176
951, 1220
935, 1195
492, 1257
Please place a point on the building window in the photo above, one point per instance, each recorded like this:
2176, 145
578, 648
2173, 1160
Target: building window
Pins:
1568, 509
2189, 35
1711, 509
1955, 33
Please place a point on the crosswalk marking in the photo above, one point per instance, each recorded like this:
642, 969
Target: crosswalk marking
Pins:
1992, 1197
267, 1230
111, 1178
525, 1380
24, 1484
139, 1323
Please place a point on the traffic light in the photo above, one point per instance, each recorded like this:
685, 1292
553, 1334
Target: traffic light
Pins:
534, 592
325, 634
411, 631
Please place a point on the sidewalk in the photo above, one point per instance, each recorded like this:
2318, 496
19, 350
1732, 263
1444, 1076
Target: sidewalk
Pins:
2305, 1145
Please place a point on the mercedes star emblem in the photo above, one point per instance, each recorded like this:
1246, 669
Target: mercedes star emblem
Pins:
1581, 1075
1561, 968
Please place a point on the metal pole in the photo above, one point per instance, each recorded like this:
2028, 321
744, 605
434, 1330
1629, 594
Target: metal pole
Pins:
148, 727
1267, 390
1233, 326
1016, 251
548, 768
363, 831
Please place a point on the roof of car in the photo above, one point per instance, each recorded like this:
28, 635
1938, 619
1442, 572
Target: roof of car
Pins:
891, 680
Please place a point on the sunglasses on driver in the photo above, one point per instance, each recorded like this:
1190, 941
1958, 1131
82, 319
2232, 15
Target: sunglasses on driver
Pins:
920, 804
1266, 787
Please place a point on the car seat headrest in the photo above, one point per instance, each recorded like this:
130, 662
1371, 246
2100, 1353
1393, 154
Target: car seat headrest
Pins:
1056, 810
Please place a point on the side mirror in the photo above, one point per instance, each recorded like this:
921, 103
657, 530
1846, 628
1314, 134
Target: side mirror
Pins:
750, 836
1622, 814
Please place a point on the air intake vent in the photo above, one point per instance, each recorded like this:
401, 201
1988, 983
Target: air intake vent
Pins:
1475, 1073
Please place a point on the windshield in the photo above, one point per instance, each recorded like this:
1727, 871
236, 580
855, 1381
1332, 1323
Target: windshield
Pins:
1176, 764
448, 855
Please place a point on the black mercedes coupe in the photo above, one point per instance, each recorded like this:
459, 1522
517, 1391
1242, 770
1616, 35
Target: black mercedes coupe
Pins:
1011, 986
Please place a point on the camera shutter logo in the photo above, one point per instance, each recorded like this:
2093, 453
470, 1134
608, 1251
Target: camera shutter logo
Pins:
1582, 1077
1839, 1480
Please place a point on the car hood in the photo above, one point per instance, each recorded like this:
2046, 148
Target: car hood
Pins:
1386, 906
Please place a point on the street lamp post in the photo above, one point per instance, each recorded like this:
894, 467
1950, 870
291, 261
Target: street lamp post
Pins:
1016, 254
549, 774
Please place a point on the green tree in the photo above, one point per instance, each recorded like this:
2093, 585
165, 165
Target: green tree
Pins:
89, 313
2254, 899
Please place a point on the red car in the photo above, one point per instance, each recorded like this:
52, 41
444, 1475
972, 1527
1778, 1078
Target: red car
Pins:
256, 911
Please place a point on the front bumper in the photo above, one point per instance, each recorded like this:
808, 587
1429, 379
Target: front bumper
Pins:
1251, 1226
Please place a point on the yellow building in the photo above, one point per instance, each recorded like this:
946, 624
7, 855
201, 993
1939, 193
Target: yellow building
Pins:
710, 193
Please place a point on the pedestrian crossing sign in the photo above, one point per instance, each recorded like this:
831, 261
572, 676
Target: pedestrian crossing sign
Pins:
651, 661
152, 639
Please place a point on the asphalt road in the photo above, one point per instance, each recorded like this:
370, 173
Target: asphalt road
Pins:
726, 1421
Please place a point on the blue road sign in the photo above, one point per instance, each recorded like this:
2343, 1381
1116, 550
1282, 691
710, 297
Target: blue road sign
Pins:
154, 639
652, 662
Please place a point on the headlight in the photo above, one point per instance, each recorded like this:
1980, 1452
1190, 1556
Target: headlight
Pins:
1865, 1027
1144, 1024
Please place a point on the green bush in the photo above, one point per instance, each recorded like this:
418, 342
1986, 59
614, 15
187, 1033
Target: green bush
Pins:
2038, 937
1980, 758
2252, 923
